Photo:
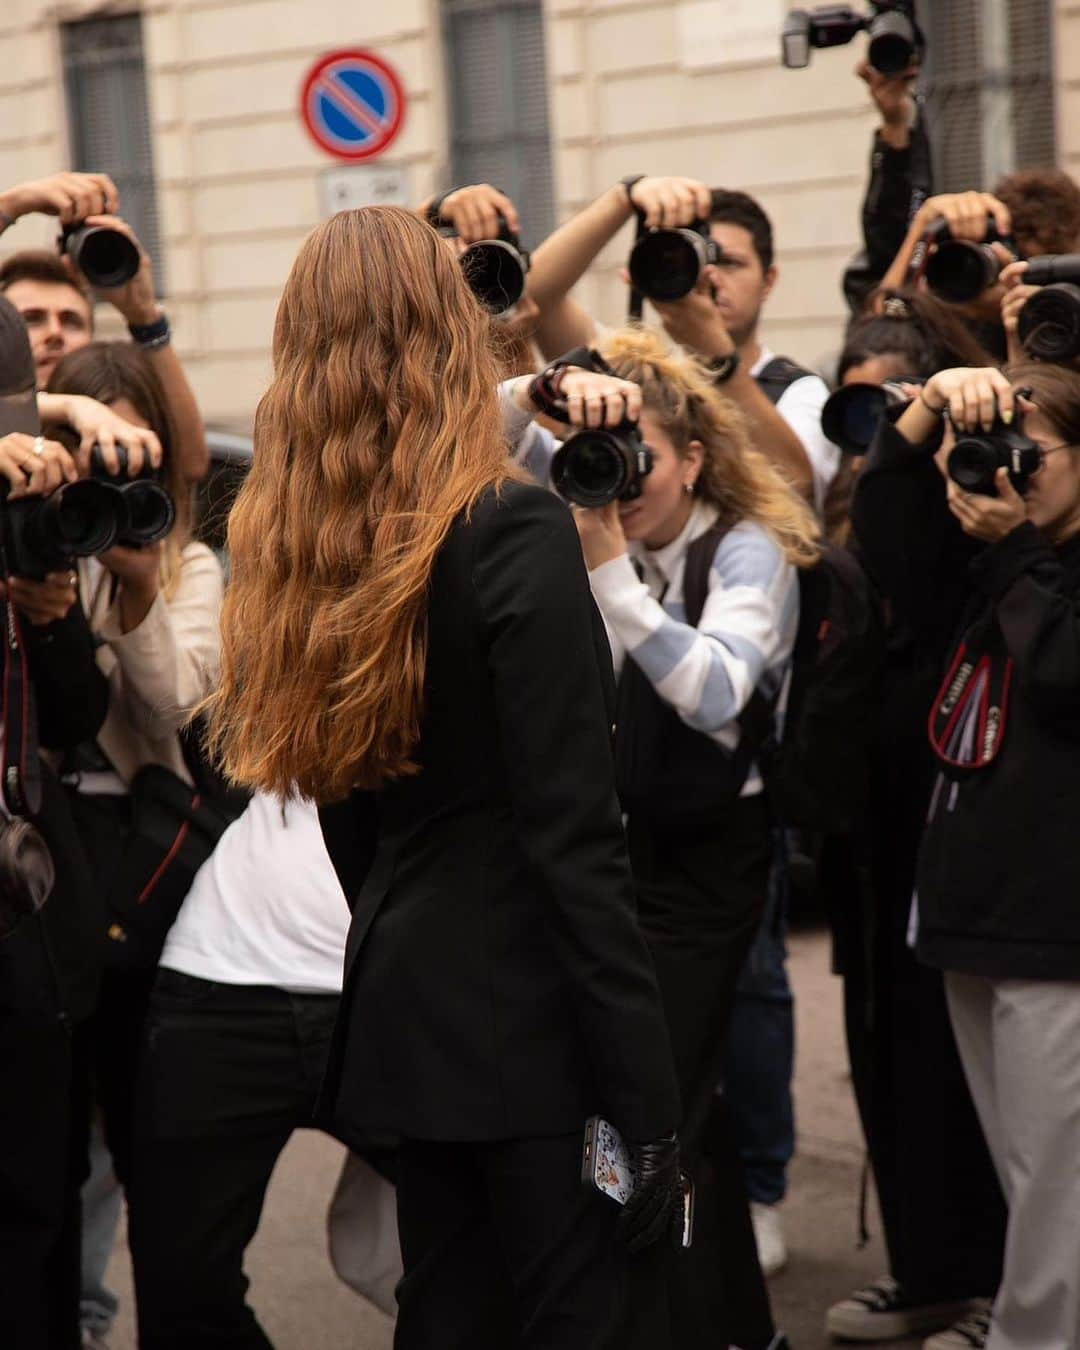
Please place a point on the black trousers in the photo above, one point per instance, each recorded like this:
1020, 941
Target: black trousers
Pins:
44, 1117
229, 1071
504, 1249
700, 905
942, 1209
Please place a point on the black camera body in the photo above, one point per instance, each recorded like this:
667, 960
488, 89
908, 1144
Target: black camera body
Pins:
598, 465
665, 265
1049, 324
895, 38
105, 257
851, 415
959, 270
976, 457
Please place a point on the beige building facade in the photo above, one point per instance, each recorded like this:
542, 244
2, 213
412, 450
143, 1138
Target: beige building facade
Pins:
662, 86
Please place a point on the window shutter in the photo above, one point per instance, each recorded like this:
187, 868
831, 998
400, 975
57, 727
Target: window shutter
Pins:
970, 107
497, 83
109, 117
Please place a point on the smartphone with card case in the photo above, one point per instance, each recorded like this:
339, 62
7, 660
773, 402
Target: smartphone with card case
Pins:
606, 1166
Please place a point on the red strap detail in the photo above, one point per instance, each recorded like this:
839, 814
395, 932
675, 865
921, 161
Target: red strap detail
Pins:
167, 861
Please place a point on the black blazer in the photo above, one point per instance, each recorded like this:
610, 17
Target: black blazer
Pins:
496, 984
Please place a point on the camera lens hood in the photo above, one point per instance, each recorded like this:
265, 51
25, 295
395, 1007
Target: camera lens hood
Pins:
596, 466
665, 264
1049, 323
149, 513
961, 270
105, 257
851, 415
893, 42
495, 270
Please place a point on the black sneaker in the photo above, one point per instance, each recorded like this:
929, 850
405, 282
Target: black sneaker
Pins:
882, 1312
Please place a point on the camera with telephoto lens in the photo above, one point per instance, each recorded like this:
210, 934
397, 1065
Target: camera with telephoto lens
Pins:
1049, 323
666, 264
46, 534
104, 256
896, 40
959, 270
496, 270
976, 457
852, 415
598, 465
146, 511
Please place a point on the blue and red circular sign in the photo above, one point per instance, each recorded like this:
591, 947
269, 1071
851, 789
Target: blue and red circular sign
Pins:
353, 104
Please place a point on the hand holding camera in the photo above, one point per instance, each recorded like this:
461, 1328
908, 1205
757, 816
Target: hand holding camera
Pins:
894, 99
96, 425
117, 266
695, 323
72, 197
33, 466
475, 212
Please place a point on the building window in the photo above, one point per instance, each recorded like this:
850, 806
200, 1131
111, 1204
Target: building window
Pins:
497, 82
109, 118
989, 88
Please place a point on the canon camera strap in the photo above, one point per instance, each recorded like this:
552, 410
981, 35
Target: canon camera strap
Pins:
969, 715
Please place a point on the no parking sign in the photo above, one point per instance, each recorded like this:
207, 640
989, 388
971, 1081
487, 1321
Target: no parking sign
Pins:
353, 104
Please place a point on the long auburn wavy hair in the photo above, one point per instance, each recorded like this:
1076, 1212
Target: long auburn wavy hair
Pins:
379, 429
735, 478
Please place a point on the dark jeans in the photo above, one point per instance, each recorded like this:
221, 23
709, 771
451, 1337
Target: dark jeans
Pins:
504, 1249
229, 1072
761, 1053
700, 905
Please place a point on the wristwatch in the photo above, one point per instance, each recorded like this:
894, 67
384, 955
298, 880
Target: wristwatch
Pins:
723, 367
152, 335
628, 187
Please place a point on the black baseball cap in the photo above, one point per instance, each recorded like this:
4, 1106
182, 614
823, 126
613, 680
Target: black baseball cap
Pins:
18, 379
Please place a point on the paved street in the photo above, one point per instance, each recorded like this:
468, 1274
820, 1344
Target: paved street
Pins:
303, 1307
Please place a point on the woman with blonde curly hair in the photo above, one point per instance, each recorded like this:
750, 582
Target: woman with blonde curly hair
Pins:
697, 581
410, 640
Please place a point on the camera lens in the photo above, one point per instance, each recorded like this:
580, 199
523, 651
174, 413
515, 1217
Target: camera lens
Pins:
105, 257
1049, 324
150, 513
666, 264
495, 272
81, 519
850, 417
892, 43
590, 469
960, 271
973, 462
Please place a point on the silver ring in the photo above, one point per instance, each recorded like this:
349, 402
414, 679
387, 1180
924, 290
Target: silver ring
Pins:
39, 445
73, 579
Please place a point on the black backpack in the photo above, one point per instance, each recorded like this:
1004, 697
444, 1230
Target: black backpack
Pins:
817, 774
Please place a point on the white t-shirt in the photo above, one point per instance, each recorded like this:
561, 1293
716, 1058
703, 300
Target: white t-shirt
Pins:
266, 907
800, 406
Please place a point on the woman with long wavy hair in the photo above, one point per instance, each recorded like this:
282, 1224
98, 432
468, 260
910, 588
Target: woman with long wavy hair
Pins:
409, 639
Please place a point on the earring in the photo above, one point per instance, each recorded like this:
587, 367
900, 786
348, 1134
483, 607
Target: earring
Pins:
688, 488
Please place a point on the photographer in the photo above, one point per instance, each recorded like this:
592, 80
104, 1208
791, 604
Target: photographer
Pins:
56, 302
943, 1223
1029, 214
154, 612
995, 570
50, 964
718, 320
901, 179
701, 866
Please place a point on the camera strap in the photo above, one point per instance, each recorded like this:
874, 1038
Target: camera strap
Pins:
21, 767
636, 304
969, 716
545, 389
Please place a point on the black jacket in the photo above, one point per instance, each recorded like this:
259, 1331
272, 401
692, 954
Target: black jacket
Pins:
1000, 859
496, 983
900, 181
51, 965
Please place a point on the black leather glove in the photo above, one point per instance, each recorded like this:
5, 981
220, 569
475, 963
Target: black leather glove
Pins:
655, 1208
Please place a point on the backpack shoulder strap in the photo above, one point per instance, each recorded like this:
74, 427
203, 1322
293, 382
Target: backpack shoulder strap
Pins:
778, 376
699, 561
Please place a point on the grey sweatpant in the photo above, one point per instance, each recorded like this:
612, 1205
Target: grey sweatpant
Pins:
1020, 1045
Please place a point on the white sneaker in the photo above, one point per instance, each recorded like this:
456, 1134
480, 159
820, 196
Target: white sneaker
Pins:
769, 1236
971, 1333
